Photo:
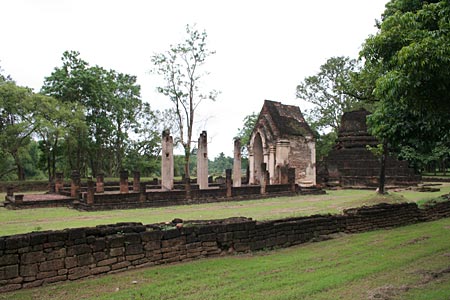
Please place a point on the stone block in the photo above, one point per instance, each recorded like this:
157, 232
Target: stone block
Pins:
134, 249
132, 238
116, 251
85, 259
98, 256
48, 274
120, 265
51, 265
99, 245
76, 234
70, 262
9, 259
78, 272
78, 249
147, 236
10, 287
17, 241
57, 236
8, 272
115, 241
55, 279
99, 270
28, 270
59, 253
32, 284
37, 238
107, 262
134, 257
152, 245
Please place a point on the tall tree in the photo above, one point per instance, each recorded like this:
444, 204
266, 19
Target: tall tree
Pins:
16, 123
180, 68
244, 133
408, 62
327, 91
111, 101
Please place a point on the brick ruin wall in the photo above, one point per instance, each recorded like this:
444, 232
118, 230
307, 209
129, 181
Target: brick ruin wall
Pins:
299, 157
37, 258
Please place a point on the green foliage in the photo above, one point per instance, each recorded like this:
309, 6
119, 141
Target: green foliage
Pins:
410, 56
111, 101
244, 133
220, 164
327, 91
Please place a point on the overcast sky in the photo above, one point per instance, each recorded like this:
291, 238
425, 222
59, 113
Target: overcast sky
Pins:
264, 48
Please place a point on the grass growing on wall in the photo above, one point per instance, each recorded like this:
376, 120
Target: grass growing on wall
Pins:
410, 262
27, 220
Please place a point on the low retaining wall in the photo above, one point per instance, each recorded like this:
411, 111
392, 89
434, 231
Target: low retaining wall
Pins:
34, 259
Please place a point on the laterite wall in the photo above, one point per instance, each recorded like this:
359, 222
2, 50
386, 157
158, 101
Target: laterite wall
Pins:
34, 259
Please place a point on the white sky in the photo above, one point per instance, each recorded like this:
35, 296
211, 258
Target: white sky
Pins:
264, 48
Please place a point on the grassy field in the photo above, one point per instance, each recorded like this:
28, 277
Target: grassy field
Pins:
27, 220
411, 262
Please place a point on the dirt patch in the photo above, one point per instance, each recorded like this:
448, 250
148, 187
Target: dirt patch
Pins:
416, 240
386, 292
389, 292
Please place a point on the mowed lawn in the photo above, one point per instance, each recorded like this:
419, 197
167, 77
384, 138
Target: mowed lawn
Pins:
411, 262
27, 220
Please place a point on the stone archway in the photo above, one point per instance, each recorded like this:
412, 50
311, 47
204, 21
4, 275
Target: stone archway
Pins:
258, 157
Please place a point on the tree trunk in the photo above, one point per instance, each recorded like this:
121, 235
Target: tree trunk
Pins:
20, 168
382, 180
187, 173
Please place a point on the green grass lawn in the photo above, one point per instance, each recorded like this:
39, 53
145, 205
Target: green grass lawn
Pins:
411, 262
27, 220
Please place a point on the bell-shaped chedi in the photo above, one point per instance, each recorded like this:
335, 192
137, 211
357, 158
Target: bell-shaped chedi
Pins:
352, 164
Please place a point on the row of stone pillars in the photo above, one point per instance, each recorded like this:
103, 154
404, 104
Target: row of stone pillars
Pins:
167, 164
99, 185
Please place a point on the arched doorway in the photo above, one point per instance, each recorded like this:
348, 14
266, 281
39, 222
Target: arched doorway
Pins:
258, 157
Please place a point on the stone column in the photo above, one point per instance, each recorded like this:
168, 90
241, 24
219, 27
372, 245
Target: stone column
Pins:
100, 184
124, 181
59, 183
75, 184
311, 168
136, 181
142, 192
167, 166
291, 179
90, 192
263, 178
272, 151
228, 182
251, 164
202, 161
282, 158
9, 191
237, 167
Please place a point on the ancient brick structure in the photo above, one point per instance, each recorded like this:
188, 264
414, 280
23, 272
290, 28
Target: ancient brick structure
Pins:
38, 258
351, 164
237, 176
202, 161
282, 139
167, 171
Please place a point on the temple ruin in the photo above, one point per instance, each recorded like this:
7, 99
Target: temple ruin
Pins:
281, 140
352, 164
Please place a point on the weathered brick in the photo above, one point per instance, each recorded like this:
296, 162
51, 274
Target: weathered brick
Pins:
8, 272
98, 256
70, 262
152, 245
120, 265
78, 249
43, 275
9, 259
76, 234
10, 287
116, 251
134, 257
59, 253
151, 235
115, 241
57, 236
99, 270
55, 279
106, 262
79, 272
33, 284
99, 245
85, 259
132, 238
51, 265
17, 241
133, 249
32, 257
29, 270
37, 238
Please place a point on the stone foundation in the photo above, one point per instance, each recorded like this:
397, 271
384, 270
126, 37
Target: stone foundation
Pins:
39, 258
